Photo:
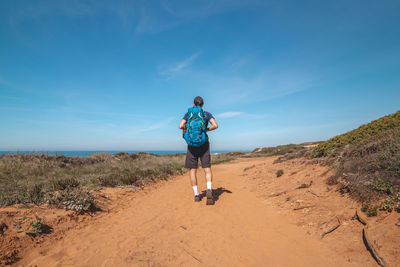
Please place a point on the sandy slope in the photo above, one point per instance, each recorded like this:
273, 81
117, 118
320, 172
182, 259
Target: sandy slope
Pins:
162, 226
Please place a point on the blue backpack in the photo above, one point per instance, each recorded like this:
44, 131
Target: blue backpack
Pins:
196, 127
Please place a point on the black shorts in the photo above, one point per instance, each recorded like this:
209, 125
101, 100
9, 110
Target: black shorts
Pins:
194, 153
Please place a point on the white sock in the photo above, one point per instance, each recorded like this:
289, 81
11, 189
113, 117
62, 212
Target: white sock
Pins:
209, 185
196, 193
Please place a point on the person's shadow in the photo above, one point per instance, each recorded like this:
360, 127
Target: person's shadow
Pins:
216, 193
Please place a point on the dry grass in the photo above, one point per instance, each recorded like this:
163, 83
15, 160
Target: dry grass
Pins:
226, 157
30, 178
370, 171
66, 182
290, 149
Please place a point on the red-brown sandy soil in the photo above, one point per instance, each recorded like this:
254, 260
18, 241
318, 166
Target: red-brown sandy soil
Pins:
161, 225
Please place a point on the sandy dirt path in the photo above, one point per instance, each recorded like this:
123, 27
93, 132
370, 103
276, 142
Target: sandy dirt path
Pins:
165, 227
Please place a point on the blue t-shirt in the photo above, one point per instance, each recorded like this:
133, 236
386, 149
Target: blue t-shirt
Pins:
208, 117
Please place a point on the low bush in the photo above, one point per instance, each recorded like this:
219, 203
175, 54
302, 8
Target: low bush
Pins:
36, 227
108, 181
358, 135
370, 169
225, 157
36, 178
64, 183
75, 199
35, 194
280, 150
279, 173
382, 186
372, 211
365, 206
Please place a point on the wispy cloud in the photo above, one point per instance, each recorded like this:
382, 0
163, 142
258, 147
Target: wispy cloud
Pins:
49, 8
227, 89
134, 17
240, 62
179, 67
196, 9
229, 114
102, 113
205, 8
157, 126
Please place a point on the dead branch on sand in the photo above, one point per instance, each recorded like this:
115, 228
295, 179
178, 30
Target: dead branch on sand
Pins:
304, 185
250, 167
371, 249
290, 190
315, 194
303, 207
358, 218
280, 193
333, 228
367, 242
327, 222
191, 255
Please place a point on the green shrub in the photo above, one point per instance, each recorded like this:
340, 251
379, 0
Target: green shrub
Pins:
64, 183
76, 199
386, 207
110, 180
372, 211
365, 206
397, 207
128, 179
279, 150
358, 135
35, 194
382, 186
36, 227
279, 173
369, 169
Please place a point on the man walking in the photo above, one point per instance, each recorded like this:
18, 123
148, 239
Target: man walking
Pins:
195, 127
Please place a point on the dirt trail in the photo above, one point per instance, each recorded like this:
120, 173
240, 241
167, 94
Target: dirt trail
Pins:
163, 226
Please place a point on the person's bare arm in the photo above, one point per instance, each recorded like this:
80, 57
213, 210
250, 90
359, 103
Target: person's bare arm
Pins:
214, 125
182, 124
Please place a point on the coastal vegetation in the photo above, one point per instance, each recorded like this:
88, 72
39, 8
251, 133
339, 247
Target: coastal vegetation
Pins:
283, 149
358, 135
366, 160
370, 170
67, 182
367, 163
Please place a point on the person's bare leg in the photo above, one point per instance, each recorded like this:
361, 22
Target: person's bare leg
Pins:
210, 199
208, 173
193, 177
193, 180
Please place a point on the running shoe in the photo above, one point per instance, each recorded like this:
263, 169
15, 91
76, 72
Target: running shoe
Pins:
210, 198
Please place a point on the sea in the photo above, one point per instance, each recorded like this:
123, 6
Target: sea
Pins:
86, 153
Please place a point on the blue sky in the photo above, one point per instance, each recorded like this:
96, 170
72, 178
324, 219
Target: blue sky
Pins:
119, 75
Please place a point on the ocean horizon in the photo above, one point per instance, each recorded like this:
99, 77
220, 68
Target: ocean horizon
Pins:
86, 153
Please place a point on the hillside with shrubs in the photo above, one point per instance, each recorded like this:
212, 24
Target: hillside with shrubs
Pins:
367, 163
